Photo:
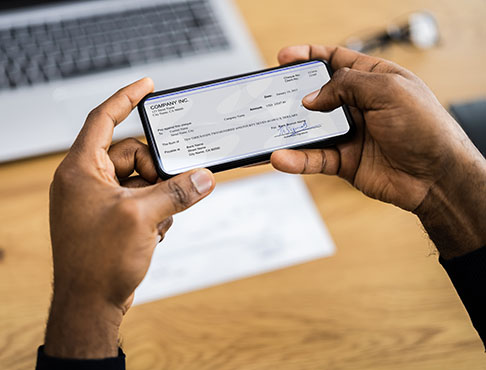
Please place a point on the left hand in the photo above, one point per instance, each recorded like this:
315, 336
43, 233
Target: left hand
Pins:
105, 226
407, 150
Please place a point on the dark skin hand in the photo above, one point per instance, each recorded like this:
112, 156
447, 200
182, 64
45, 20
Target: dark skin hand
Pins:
105, 226
407, 151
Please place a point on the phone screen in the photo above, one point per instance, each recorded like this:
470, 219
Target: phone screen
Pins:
240, 117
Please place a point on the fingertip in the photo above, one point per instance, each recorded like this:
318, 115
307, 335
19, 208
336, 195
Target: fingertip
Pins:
213, 179
147, 82
309, 99
286, 160
276, 156
178, 193
293, 53
203, 181
321, 51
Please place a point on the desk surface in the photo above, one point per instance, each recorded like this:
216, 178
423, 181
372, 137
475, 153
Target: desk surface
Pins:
382, 302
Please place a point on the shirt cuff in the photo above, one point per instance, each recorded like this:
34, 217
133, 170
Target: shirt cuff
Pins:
468, 275
45, 362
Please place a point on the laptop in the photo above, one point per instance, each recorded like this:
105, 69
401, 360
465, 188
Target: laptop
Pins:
60, 59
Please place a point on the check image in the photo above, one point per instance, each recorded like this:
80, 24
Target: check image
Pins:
242, 117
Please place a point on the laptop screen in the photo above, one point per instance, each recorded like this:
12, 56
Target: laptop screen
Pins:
16, 4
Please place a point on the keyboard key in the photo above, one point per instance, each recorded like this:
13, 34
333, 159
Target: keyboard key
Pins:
4, 83
16, 77
51, 72
34, 74
82, 65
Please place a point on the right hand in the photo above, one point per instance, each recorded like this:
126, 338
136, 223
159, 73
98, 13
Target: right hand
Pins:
407, 146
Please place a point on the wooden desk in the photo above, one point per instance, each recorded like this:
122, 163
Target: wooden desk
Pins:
382, 302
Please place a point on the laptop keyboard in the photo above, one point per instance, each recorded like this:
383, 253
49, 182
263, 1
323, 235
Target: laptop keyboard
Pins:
52, 51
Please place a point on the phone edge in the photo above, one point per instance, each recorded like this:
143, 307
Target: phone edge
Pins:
245, 161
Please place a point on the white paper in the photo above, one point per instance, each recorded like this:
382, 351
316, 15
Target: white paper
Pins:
245, 227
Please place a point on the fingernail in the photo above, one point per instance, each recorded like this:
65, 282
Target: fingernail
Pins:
310, 98
202, 181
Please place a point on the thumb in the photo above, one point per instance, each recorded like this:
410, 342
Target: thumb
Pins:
167, 198
360, 89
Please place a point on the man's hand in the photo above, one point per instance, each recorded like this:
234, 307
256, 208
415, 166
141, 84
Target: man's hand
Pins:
105, 226
408, 150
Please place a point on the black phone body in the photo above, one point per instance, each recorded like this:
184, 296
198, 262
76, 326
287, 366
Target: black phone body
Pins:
240, 120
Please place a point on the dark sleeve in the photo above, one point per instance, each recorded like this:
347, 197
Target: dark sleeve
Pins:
45, 362
468, 274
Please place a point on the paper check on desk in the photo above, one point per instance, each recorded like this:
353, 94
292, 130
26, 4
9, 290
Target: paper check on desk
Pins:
245, 227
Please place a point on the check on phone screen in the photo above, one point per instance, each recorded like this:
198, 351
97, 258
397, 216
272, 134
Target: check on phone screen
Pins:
241, 117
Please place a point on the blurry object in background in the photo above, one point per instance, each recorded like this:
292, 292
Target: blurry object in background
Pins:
472, 117
419, 29
246, 227
59, 59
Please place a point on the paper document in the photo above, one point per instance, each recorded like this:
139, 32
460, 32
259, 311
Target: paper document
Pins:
245, 227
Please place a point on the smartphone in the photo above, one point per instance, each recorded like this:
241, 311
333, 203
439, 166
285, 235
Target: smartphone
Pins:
240, 120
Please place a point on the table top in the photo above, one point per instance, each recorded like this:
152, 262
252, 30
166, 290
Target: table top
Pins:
381, 302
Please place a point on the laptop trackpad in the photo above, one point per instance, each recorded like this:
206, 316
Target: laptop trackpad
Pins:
77, 100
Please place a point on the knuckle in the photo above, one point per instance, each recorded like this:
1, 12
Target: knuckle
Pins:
394, 85
130, 211
179, 197
119, 91
131, 141
342, 85
340, 49
394, 81
63, 176
101, 112
165, 225
128, 147
388, 88
94, 113
339, 74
